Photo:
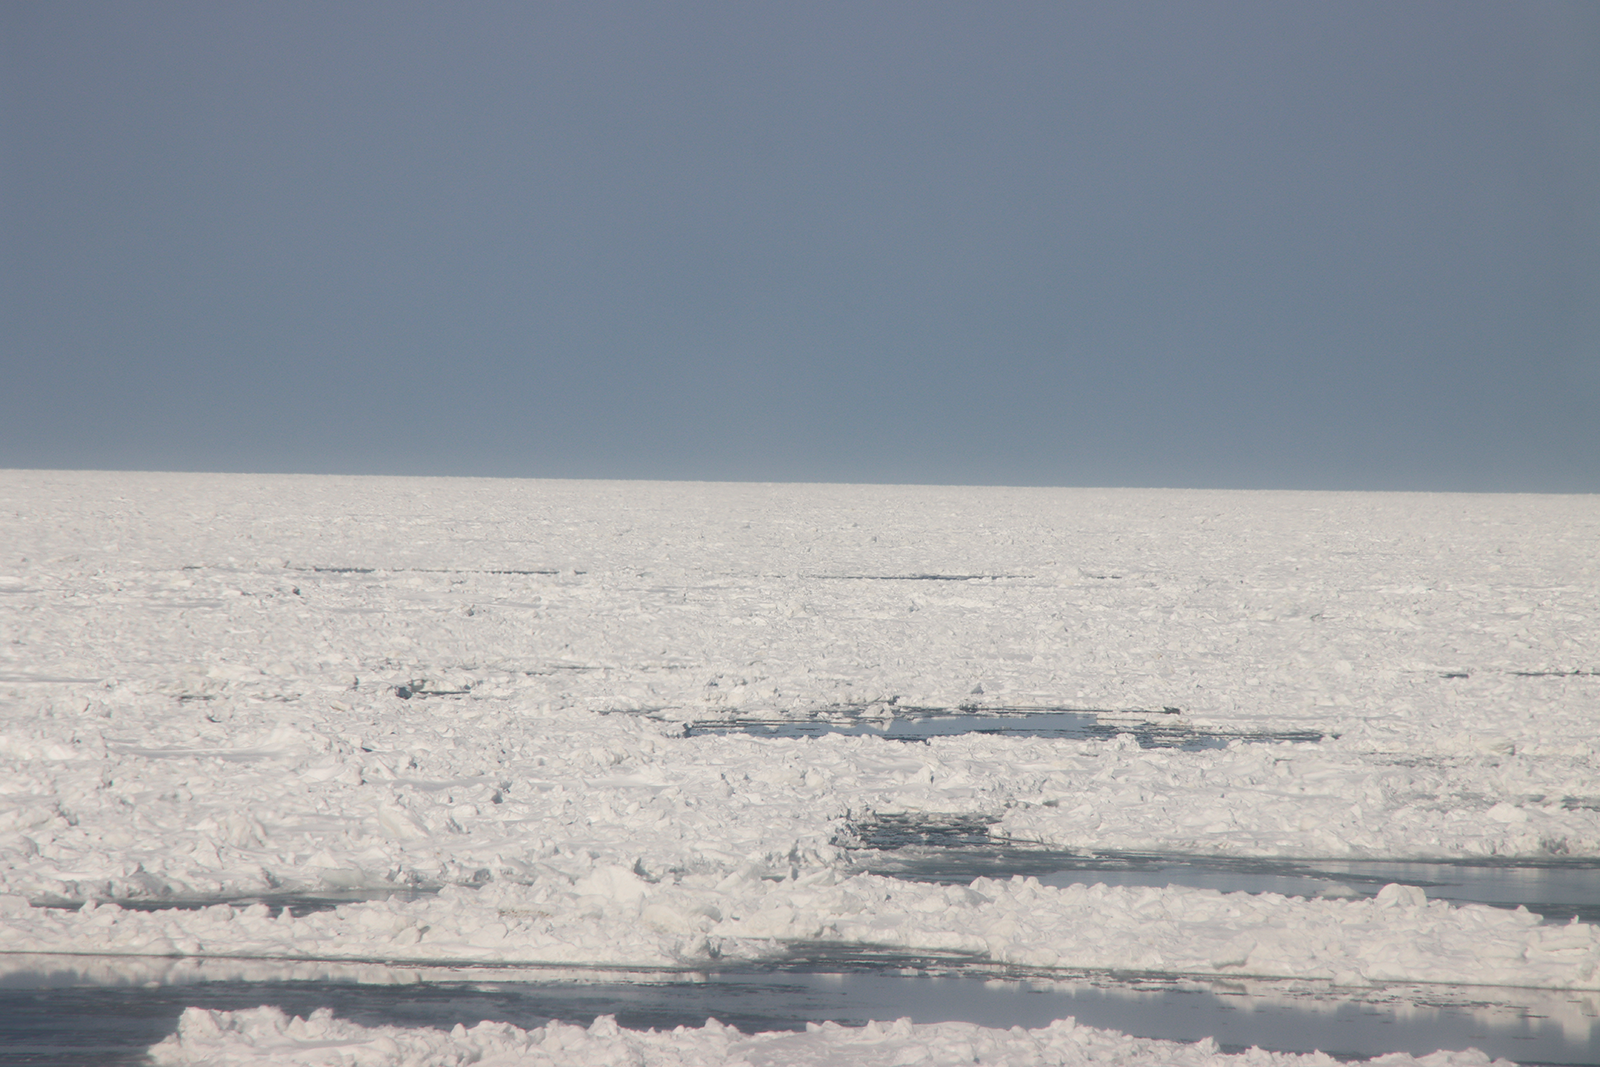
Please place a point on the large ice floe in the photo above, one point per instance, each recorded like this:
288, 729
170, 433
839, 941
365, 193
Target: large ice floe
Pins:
508, 722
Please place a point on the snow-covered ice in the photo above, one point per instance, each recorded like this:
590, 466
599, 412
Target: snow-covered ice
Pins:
267, 1036
228, 686
615, 918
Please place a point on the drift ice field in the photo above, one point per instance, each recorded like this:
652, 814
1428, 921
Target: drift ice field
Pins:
677, 727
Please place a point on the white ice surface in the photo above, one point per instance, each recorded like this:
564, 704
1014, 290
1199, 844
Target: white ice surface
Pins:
198, 678
614, 918
268, 1036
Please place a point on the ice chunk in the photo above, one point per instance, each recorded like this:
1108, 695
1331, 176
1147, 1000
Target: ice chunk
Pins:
1395, 895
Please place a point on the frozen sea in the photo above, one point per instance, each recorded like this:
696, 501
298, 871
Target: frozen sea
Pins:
384, 770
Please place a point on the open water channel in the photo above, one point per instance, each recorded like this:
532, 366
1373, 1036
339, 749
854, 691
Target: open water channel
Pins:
83, 1010
94, 1011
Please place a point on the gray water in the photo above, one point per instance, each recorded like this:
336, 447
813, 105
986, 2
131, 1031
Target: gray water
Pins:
955, 849
57, 1011
1558, 893
920, 724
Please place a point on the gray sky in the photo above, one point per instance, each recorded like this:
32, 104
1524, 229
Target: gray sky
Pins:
1259, 245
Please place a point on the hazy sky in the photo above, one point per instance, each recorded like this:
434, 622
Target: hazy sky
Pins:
1275, 245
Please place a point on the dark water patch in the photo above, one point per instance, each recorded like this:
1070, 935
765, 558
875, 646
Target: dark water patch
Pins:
1560, 889
1574, 673
48, 1018
1559, 894
543, 571
419, 689
921, 723
919, 577
962, 835
296, 904
955, 849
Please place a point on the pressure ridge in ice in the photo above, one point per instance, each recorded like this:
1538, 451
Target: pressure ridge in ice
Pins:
222, 687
